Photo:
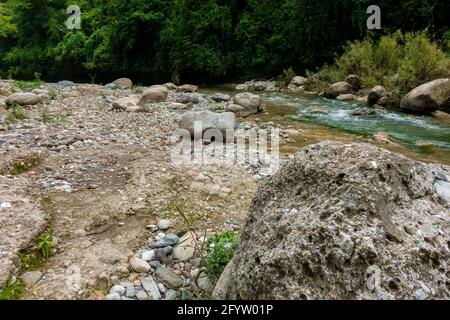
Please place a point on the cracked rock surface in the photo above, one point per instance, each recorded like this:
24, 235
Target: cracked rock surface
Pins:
344, 221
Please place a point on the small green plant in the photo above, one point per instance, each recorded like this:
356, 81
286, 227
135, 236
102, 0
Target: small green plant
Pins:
23, 165
220, 249
51, 117
138, 89
27, 85
15, 113
44, 245
52, 94
12, 290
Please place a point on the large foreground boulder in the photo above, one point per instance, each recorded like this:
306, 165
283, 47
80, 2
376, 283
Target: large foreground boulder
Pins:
428, 97
208, 121
337, 89
345, 221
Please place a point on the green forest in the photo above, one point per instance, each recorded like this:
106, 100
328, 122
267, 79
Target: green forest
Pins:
202, 41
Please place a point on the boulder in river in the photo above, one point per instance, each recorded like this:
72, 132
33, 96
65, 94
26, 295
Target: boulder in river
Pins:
434, 95
377, 95
299, 81
156, 93
337, 89
354, 81
23, 99
250, 102
347, 97
344, 221
442, 116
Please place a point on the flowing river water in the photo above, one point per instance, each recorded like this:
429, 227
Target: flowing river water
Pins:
419, 137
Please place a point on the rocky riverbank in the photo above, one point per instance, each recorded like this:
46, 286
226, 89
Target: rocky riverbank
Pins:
91, 167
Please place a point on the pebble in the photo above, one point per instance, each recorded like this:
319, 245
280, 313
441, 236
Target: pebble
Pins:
130, 290
148, 255
113, 296
151, 287
185, 250
5, 205
162, 288
118, 289
155, 264
142, 295
171, 295
31, 278
168, 278
204, 283
139, 265
168, 240
164, 224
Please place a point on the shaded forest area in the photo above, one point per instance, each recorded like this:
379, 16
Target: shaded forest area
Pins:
207, 41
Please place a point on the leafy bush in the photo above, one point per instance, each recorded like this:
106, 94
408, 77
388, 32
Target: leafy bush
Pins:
27, 85
399, 62
220, 249
286, 77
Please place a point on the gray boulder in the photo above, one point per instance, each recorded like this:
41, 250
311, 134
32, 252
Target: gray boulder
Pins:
188, 98
156, 93
344, 221
209, 121
250, 102
299, 81
354, 81
123, 83
220, 97
23, 99
338, 89
431, 96
378, 95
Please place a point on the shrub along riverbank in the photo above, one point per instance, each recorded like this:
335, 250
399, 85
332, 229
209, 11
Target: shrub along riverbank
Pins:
398, 62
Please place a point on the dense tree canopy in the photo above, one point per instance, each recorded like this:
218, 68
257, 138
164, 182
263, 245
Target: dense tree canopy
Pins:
194, 40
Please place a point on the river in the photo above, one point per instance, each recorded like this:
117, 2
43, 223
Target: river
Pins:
419, 137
